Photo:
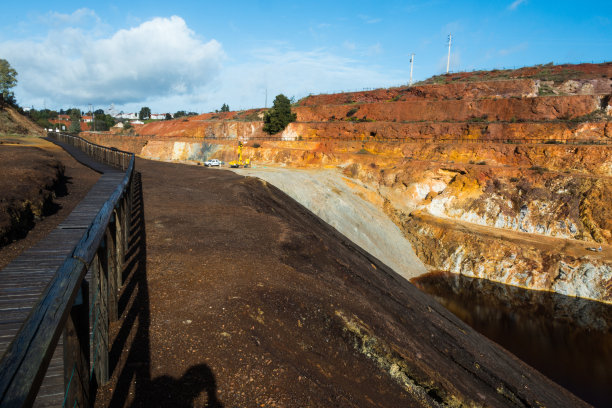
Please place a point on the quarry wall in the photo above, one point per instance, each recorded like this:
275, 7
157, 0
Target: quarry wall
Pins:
507, 180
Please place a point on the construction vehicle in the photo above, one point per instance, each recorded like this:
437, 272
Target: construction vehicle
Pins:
239, 162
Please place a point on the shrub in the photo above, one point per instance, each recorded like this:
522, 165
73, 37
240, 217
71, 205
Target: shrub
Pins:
351, 112
538, 169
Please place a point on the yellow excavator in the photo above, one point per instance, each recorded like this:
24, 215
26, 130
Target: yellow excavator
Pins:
240, 163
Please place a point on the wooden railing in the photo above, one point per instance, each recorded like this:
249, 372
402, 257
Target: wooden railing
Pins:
78, 308
111, 156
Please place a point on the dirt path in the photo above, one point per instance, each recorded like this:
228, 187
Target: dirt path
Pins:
236, 295
570, 247
79, 180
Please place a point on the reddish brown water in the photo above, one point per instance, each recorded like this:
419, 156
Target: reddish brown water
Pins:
567, 339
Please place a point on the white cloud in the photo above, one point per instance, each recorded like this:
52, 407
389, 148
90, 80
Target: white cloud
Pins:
73, 66
515, 4
163, 64
79, 16
295, 73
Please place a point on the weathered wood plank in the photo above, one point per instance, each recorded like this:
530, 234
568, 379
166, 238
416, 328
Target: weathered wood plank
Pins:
30, 353
25, 362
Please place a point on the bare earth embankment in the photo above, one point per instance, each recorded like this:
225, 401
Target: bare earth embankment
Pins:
40, 184
242, 297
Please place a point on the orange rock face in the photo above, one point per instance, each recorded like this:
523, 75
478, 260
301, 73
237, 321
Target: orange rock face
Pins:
508, 180
526, 109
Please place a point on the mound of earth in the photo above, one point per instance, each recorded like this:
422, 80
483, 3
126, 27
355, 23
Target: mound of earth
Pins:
29, 180
12, 122
40, 185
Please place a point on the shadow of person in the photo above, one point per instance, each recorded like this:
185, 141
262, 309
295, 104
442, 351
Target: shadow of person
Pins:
166, 391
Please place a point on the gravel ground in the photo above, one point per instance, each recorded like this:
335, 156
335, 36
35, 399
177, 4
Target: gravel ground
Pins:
235, 295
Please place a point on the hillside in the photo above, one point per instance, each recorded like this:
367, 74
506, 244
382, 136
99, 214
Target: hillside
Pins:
504, 175
13, 123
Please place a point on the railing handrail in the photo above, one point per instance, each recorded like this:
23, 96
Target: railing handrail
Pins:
26, 360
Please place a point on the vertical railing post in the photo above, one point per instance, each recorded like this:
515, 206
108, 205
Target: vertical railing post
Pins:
76, 352
120, 239
111, 268
99, 335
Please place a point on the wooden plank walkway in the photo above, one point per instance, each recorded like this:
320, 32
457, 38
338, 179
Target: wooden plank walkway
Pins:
23, 280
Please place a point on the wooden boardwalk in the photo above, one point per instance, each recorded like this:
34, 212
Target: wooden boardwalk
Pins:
23, 280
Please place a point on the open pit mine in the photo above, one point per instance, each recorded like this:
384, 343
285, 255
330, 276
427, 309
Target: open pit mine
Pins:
503, 176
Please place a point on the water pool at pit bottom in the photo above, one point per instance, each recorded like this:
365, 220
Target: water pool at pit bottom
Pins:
567, 339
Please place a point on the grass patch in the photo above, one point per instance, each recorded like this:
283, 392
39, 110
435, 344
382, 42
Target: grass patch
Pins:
482, 118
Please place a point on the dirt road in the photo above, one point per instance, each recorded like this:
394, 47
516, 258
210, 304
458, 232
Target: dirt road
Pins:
236, 295
566, 246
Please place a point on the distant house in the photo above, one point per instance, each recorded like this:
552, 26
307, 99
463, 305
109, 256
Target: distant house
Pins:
119, 125
159, 116
86, 119
61, 123
63, 118
129, 116
137, 122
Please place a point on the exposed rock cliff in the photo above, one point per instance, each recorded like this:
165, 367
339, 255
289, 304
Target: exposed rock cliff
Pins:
504, 175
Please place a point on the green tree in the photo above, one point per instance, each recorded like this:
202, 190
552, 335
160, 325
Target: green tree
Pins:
8, 79
225, 108
102, 121
145, 113
279, 116
180, 114
168, 116
75, 126
75, 121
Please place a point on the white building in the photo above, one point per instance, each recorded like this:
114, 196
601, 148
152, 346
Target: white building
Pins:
129, 116
159, 116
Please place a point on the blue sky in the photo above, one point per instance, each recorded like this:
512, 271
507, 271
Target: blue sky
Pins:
176, 55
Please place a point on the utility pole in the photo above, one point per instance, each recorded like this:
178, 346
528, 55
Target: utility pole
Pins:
450, 38
411, 62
